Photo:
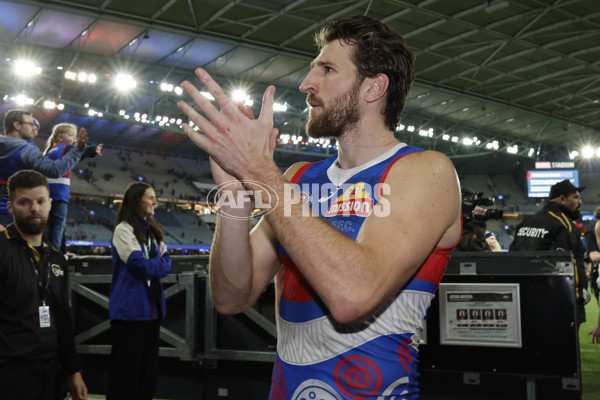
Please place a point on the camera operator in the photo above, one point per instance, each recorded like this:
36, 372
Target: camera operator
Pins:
474, 220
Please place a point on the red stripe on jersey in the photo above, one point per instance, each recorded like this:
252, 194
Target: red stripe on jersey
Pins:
434, 267
295, 286
385, 174
300, 172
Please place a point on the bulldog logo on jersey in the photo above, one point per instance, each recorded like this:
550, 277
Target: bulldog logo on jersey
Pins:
355, 201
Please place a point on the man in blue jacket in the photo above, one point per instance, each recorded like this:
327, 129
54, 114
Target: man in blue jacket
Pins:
18, 152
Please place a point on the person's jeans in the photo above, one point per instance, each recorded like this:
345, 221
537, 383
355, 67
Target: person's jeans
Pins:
56, 222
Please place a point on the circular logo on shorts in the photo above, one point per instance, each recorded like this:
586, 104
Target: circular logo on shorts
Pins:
358, 377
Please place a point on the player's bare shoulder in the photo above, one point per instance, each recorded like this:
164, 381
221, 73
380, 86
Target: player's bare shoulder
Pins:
428, 165
426, 183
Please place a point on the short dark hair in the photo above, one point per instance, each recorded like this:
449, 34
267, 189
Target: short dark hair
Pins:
11, 117
377, 49
25, 179
128, 211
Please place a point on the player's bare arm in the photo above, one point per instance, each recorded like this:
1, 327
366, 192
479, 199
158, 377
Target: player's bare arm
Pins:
242, 264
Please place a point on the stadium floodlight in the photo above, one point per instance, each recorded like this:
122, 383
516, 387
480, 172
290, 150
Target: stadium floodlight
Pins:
239, 96
410, 128
467, 141
70, 75
513, 149
178, 90
23, 99
587, 152
92, 78
49, 104
454, 139
61, 106
125, 82
121, 112
82, 76
400, 127
26, 68
573, 154
445, 136
278, 107
531, 151
166, 87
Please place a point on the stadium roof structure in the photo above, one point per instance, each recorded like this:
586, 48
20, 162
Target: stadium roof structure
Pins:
492, 76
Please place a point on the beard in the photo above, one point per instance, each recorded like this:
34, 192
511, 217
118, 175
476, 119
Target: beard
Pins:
334, 122
29, 227
574, 215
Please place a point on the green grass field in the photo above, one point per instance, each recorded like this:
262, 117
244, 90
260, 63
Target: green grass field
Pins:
590, 355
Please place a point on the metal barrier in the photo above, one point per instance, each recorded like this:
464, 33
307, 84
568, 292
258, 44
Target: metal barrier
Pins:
191, 335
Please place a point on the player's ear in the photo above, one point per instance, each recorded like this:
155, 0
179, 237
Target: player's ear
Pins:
376, 87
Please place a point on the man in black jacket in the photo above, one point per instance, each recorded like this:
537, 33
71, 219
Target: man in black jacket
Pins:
36, 327
553, 228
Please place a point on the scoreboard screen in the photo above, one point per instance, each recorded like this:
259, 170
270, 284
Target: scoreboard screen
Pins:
539, 181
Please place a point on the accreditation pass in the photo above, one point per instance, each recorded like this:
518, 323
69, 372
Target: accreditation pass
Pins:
44, 316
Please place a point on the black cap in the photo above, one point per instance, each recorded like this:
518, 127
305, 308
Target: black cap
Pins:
564, 188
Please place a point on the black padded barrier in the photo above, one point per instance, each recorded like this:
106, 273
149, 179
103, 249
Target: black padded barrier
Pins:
547, 364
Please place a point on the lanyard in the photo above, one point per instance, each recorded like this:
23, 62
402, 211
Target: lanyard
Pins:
147, 248
36, 268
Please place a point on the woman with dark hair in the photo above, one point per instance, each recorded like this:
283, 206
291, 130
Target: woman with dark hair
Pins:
137, 302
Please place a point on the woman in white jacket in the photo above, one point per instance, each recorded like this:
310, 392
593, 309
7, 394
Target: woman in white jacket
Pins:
136, 302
